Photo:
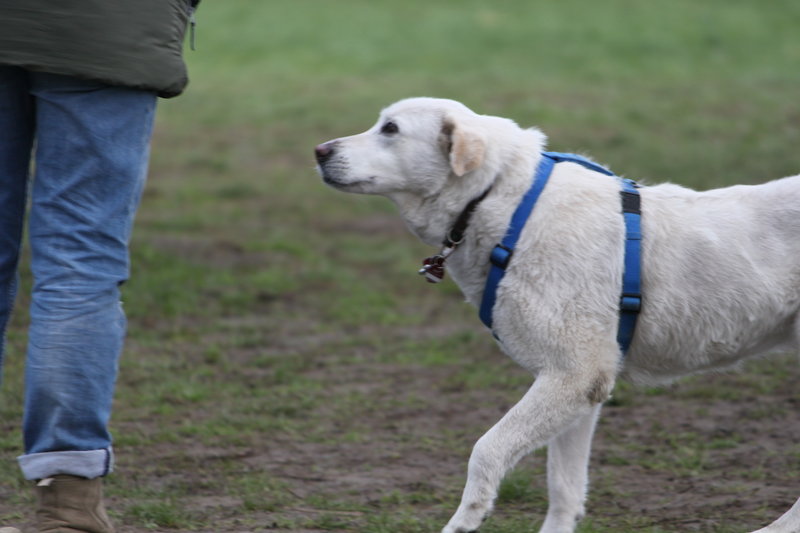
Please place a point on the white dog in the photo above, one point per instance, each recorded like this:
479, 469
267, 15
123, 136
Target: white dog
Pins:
720, 278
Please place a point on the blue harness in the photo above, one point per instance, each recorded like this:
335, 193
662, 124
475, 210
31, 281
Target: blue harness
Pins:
631, 298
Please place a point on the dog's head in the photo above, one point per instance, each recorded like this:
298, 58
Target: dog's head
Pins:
431, 157
415, 147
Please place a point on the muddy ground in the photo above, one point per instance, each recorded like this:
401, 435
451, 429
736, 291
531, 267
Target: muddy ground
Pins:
675, 459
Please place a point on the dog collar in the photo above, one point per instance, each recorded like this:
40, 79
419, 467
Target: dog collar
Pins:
433, 267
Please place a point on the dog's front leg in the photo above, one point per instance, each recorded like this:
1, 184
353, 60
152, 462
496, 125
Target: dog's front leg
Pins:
568, 473
551, 405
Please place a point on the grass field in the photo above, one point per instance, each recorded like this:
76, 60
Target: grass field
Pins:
286, 369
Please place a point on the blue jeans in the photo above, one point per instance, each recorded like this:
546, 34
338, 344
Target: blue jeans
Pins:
90, 145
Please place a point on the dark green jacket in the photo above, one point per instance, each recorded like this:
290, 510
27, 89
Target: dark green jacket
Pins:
131, 43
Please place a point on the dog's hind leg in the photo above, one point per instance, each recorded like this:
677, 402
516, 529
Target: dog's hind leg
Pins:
568, 473
554, 403
788, 523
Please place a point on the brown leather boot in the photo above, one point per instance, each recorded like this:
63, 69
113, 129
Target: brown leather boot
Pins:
70, 504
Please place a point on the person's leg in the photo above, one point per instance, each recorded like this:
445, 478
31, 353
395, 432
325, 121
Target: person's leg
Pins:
16, 140
91, 158
91, 161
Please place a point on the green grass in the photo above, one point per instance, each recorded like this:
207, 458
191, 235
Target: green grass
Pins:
285, 367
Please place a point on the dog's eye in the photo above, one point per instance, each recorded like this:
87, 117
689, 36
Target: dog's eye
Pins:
390, 128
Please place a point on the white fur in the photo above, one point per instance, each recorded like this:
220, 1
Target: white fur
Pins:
721, 279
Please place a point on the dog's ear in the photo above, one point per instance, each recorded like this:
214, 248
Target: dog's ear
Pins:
465, 145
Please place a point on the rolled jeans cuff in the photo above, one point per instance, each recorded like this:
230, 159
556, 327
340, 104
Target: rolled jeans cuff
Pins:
89, 464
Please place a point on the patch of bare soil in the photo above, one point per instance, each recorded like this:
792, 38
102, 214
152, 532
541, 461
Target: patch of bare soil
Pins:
684, 459
669, 460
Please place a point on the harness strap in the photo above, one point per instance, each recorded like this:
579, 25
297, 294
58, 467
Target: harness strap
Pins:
631, 300
501, 254
500, 257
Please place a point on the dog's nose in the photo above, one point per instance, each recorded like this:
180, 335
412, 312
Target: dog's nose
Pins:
324, 151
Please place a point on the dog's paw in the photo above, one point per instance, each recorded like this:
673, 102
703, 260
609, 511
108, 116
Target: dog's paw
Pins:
458, 530
466, 522
451, 528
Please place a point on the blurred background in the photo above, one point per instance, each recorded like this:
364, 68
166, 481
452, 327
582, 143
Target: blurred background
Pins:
287, 370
